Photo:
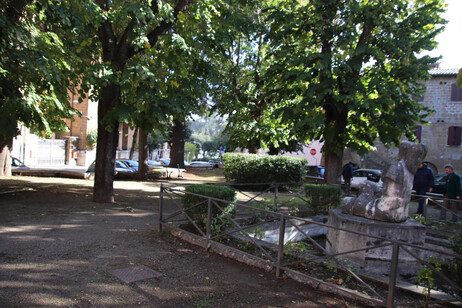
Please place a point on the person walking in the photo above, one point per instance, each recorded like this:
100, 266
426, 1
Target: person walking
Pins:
423, 182
347, 174
453, 193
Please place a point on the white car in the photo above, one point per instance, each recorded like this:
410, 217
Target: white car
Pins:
361, 175
201, 164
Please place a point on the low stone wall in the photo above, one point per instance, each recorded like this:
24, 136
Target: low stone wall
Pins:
377, 260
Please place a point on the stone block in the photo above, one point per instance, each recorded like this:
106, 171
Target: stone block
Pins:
374, 260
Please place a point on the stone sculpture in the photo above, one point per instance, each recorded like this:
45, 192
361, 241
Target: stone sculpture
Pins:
391, 203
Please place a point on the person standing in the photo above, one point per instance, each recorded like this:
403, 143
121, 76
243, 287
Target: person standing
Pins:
347, 174
453, 193
423, 182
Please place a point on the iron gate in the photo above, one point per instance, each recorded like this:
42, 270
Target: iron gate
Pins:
51, 152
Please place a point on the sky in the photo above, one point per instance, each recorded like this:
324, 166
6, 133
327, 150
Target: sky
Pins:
450, 42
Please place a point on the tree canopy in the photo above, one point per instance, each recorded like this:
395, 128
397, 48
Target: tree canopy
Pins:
348, 70
35, 74
244, 89
283, 71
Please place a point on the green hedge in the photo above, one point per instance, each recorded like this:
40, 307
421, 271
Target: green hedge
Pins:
323, 197
199, 213
253, 168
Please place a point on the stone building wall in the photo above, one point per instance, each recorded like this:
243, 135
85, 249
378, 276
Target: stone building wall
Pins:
434, 135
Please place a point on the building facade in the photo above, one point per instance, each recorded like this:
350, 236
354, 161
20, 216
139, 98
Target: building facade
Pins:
442, 134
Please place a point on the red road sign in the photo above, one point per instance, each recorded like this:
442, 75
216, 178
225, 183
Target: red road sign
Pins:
313, 152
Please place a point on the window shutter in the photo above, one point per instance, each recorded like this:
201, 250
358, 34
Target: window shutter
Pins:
456, 93
457, 135
454, 135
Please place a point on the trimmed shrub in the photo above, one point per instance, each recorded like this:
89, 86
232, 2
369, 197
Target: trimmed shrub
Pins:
253, 168
323, 197
199, 213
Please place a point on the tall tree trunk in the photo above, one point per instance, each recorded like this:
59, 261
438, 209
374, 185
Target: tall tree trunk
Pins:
5, 155
143, 155
334, 141
178, 141
103, 190
333, 172
253, 145
135, 137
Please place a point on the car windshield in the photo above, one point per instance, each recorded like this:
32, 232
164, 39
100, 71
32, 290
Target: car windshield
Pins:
120, 164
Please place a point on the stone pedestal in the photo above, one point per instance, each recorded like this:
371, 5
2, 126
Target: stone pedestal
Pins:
374, 260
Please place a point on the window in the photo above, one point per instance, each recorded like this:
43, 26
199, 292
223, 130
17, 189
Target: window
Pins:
454, 135
456, 93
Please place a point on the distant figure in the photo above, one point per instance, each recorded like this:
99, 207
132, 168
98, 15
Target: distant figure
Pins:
347, 174
452, 193
423, 182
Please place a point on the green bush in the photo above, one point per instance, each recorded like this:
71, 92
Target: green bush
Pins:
323, 197
192, 148
199, 213
253, 168
92, 138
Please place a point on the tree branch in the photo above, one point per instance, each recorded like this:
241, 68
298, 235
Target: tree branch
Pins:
162, 28
14, 10
123, 46
106, 35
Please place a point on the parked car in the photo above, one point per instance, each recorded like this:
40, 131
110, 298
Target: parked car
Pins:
152, 164
18, 165
201, 164
120, 168
166, 162
216, 163
316, 171
132, 164
440, 183
362, 175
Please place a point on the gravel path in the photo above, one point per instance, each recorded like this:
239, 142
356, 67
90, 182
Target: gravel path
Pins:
58, 249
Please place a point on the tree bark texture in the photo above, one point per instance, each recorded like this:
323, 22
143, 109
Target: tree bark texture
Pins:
5, 155
178, 141
143, 155
135, 137
334, 141
103, 190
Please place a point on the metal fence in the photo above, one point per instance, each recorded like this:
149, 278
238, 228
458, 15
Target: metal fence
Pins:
283, 260
441, 203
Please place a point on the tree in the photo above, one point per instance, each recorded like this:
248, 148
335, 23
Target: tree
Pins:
347, 70
291, 146
192, 149
35, 75
174, 85
112, 36
208, 132
243, 94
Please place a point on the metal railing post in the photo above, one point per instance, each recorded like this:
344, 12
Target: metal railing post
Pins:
393, 273
209, 218
276, 196
425, 207
161, 210
280, 246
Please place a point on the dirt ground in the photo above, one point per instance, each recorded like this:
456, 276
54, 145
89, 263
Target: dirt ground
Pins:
57, 249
